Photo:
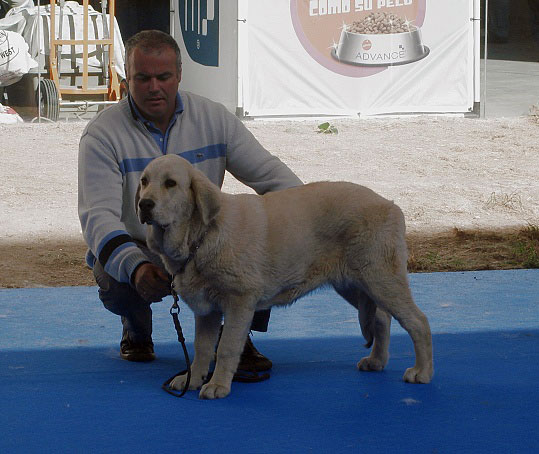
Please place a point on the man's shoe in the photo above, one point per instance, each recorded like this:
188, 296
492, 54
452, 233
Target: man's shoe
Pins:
137, 351
252, 360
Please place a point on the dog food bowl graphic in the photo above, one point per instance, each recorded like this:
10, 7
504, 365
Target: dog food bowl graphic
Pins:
380, 49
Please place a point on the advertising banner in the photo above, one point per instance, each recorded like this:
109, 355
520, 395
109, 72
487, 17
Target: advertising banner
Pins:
330, 57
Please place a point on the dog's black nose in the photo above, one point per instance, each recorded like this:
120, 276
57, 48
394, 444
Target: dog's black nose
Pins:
146, 205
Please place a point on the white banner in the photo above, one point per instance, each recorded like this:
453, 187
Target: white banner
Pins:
349, 57
329, 57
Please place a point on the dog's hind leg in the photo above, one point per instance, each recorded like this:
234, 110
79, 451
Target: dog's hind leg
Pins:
391, 293
375, 326
379, 355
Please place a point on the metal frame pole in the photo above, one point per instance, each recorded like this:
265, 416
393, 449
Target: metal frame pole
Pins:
485, 63
38, 52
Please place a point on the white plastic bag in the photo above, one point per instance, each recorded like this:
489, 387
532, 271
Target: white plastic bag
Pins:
15, 61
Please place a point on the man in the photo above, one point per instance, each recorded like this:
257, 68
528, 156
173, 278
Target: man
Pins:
155, 119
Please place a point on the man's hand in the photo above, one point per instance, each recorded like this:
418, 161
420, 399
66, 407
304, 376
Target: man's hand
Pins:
151, 282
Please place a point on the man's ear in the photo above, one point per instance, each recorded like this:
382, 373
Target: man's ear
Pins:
207, 196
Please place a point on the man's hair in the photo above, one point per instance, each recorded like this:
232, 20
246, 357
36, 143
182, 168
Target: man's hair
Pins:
148, 40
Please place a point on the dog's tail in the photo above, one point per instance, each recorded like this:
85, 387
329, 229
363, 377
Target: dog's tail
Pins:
366, 309
367, 319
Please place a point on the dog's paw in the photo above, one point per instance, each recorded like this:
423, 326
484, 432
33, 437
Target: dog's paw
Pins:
371, 364
179, 382
416, 375
214, 391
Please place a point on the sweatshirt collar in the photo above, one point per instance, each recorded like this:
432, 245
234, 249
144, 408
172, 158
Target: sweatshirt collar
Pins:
137, 115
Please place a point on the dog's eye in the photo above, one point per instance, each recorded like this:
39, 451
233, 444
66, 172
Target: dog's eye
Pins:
143, 181
169, 183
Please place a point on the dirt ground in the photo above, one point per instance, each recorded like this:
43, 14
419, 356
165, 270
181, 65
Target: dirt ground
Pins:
468, 188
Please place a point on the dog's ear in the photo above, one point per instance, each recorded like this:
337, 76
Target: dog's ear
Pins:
137, 198
207, 196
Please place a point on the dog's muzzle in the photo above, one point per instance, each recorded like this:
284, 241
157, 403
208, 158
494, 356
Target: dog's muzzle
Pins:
145, 207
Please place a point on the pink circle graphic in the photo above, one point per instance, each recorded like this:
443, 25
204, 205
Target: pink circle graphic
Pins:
318, 26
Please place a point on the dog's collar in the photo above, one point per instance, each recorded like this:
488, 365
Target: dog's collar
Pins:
192, 252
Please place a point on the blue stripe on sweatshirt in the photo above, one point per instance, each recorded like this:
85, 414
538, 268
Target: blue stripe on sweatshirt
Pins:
202, 154
193, 156
134, 165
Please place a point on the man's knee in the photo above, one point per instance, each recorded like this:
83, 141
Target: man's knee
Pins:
117, 297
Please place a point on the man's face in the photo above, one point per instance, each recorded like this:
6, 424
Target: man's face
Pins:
153, 83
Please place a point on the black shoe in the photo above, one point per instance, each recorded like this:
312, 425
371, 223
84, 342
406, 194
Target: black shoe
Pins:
252, 360
137, 351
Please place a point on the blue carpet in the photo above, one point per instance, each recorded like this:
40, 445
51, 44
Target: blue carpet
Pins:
63, 387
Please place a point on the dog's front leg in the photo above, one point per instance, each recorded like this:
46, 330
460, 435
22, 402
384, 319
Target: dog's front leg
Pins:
235, 331
206, 332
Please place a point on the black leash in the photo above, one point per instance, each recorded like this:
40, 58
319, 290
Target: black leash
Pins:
174, 311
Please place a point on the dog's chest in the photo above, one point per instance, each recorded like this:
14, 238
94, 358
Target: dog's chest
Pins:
194, 293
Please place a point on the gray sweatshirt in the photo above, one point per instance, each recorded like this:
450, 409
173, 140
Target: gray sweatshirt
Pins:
114, 149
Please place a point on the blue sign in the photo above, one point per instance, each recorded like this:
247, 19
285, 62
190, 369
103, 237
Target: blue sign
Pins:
199, 21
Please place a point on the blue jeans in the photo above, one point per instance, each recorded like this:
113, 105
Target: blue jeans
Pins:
123, 300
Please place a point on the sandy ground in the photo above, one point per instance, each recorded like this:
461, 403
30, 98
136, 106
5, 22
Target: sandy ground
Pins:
444, 172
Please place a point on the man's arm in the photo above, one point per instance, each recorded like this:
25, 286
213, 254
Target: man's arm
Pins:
100, 210
252, 164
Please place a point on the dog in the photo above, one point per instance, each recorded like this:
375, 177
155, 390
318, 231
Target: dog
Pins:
232, 255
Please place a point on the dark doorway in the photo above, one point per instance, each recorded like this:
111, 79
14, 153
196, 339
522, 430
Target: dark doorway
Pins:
136, 15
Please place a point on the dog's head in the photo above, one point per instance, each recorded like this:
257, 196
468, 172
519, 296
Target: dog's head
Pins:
171, 191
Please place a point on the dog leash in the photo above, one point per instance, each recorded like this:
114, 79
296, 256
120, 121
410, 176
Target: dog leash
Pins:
174, 311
